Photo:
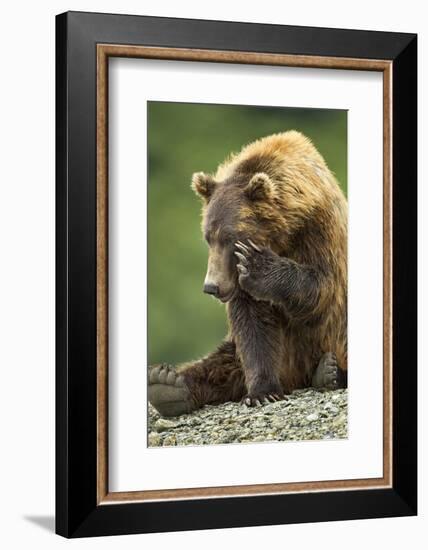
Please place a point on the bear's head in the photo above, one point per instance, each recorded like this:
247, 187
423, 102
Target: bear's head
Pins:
277, 192
235, 209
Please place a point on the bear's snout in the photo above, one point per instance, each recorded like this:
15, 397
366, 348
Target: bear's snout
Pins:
211, 288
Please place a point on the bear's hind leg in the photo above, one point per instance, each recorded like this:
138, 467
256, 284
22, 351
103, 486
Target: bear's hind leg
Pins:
328, 375
215, 379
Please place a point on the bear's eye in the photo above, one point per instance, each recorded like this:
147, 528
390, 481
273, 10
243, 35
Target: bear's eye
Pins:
226, 237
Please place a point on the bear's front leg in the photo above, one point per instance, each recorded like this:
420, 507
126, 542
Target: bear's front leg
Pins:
256, 331
268, 277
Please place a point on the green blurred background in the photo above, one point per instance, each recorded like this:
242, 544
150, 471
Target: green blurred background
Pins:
184, 323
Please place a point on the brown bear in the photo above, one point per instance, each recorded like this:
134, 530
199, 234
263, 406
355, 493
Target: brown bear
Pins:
275, 221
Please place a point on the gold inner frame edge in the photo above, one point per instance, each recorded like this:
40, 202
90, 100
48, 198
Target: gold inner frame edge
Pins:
104, 51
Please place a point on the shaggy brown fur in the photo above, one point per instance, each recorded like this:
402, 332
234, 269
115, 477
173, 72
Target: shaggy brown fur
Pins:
275, 220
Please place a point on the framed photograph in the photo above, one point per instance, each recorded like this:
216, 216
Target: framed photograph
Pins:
236, 274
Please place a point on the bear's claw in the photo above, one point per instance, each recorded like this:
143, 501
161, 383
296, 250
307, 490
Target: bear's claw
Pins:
258, 400
256, 248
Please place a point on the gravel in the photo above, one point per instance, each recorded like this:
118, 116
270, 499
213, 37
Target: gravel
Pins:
306, 415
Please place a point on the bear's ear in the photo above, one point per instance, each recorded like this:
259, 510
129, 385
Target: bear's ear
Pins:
203, 185
259, 187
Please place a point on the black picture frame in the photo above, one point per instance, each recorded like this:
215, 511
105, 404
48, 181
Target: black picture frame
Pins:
77, 512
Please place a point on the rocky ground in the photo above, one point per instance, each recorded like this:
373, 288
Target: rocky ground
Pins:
307, 414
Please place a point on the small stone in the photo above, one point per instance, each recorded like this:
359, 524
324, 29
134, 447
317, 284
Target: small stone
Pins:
164, 425
330, 407
155, 440
170, 441
227, 438
339, 421
312, 417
